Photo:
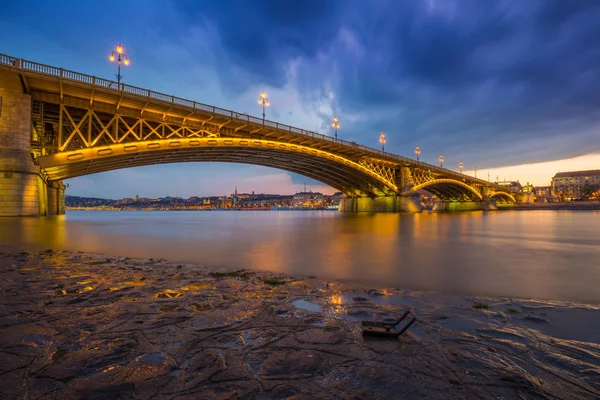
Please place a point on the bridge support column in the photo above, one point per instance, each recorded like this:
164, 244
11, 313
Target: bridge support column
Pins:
22, 191
409, 202
56, 198
485, 205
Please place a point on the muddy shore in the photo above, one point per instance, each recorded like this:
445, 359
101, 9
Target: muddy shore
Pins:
75, 326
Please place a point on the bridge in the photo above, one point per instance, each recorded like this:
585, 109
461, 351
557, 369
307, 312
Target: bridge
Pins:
57, 124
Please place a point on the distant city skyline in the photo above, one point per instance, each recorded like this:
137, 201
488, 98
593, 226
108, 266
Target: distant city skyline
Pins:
478, 83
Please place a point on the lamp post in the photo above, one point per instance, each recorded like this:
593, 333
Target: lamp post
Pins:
264, 102
336, 125
460, 166
441, 161
119, 56
417, 152
475, 172
382, 141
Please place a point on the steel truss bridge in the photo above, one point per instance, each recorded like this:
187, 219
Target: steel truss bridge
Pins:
81, 124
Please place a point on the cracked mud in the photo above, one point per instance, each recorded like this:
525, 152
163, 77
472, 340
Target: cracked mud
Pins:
76, 326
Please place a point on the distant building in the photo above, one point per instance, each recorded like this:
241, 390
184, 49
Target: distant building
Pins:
512, 185
576, 185
527, 188
543, 194
308, 199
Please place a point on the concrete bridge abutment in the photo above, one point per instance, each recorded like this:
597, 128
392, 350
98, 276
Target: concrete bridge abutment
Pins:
406, 202
23, 192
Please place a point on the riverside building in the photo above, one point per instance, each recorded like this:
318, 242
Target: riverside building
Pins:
575, 185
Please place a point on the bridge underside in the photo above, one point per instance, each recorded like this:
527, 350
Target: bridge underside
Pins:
337, 174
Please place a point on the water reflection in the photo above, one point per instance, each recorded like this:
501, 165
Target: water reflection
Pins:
539, 254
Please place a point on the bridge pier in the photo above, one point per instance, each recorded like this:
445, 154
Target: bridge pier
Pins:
406, 202
23, 192
485, 205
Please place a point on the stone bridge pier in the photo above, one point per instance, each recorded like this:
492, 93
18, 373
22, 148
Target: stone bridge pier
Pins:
407, 201
487, 203
23, 190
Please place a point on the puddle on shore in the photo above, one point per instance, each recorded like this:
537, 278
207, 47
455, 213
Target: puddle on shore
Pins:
200, 307
306, 305
153, 358
199, 285
168, 294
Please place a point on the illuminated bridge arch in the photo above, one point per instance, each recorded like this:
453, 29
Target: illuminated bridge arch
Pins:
343, 174
450, 190
505, 196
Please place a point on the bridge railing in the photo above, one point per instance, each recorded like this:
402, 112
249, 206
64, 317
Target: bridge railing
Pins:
61, 73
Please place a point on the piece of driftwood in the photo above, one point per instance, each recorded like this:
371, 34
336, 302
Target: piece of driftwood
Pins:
389, 329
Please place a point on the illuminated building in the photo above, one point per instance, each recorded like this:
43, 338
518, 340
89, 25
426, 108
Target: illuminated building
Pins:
308, 199
575, 185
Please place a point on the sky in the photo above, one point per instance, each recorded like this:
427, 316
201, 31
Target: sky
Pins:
509, 87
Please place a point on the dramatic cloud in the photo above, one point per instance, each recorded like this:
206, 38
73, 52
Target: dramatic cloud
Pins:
487, 82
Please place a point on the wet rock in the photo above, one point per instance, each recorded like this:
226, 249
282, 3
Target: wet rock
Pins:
290, 363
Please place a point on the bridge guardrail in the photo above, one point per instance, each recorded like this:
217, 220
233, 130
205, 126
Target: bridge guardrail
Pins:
32, 66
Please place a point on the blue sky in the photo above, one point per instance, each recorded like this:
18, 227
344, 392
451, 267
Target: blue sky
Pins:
491, 83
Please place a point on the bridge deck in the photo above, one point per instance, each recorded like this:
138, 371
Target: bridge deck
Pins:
59, 86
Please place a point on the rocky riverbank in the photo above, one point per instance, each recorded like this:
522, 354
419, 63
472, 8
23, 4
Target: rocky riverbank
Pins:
76, 325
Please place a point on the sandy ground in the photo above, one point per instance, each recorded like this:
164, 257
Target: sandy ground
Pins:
76, 326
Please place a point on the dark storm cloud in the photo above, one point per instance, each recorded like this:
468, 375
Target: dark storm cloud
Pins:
261, 35
453, 76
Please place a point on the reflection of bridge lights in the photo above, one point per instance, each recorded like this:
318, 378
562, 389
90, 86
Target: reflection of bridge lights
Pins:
336, 300
264, 102
336, 125
120, 52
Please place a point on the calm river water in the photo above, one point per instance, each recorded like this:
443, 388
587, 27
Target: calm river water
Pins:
523, 254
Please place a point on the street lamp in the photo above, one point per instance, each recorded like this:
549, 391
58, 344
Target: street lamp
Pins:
264, 102
475, 172
417, 152
119, 57
336, 125
441, 161
460, 166
382, 141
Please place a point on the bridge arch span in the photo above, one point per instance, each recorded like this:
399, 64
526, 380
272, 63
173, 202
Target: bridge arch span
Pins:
450, 190
339, 172
507, 197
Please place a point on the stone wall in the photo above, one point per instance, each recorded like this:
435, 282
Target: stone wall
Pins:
22, 191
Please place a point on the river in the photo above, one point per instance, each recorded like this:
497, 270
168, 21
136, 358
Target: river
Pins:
522, 254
